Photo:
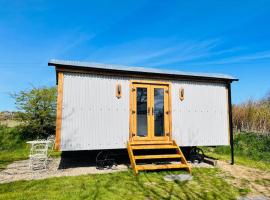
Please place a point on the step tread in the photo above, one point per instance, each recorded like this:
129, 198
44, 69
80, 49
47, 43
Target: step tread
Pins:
142, 157
165, 166
150, 142
154, 147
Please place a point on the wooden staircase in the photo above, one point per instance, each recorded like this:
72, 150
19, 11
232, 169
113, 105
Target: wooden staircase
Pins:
156, 155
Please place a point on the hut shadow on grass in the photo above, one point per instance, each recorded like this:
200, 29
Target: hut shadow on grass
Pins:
73, 159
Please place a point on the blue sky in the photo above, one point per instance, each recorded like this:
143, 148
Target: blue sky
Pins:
230, 37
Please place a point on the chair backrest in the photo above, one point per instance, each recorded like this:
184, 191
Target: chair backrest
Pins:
51, 137
51, 140
39, 149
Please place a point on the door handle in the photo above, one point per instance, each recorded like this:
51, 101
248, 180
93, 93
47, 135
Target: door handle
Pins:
148, 111
152, 110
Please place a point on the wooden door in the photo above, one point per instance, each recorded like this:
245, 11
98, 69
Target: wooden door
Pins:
150, 113
159, 112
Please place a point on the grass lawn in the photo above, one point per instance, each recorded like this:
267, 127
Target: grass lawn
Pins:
9, 156
206, 184
18, 153
12, 147
249, 149
241, 160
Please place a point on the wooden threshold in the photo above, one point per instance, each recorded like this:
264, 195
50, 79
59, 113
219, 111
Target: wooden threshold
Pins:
154, 147
150, 142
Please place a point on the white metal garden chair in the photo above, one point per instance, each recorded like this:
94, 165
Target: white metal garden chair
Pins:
51, 142
38, 154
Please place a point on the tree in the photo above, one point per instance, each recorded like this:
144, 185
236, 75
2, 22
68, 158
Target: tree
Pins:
37, 111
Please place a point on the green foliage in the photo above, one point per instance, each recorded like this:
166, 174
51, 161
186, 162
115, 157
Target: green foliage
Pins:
256, 147
12, 146
249, 149
10, 138
37, 111
206, 184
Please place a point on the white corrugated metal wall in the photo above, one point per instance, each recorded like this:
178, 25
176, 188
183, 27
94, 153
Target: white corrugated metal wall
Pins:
93, 118
201, 119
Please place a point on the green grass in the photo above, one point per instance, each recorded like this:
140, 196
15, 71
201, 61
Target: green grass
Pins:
207, 183
264, 182
13, 147
249, 149
9, 156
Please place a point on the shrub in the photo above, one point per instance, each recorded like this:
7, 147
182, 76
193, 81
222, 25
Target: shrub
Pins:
249, 145
10, 138
37, 111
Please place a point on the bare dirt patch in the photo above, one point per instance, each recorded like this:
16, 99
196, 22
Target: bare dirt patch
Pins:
258, 181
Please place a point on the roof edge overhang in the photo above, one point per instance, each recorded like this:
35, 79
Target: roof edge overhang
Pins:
63, 67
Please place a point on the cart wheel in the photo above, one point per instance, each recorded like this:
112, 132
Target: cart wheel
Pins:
196, 154
100, 160
109, 164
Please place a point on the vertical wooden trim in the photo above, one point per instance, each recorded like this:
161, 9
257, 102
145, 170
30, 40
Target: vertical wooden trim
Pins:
59, 110
170, 110
166, 113
150, 115
230, 122
130, 111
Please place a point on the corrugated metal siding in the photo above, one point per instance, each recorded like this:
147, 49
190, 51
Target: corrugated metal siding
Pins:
202, 118
92, 116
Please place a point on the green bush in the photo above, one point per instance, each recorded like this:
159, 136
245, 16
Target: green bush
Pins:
250, 145
37, 112
10, 138
254, 146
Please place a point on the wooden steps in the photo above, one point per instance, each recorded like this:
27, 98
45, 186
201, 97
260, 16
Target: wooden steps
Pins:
165, 166
158, 153
144, 157
154, 147
151, 142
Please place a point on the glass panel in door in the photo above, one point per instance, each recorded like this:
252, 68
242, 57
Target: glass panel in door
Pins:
158, 112
141, 114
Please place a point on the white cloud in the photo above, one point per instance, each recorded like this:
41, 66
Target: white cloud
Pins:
238, 59
154, 51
